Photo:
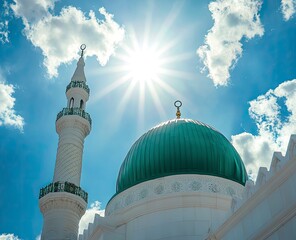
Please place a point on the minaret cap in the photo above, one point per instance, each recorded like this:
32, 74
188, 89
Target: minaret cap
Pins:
79, 75
178, 104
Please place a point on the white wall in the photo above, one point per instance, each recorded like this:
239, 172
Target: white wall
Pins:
270, 210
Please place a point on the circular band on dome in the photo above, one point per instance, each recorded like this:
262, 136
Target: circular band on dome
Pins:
179, 103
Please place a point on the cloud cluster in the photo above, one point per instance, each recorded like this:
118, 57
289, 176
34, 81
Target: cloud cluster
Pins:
59, 36
4, 23
288, 8
32, 11
4, 32
88, 217
275, 116
233, 21
10, 236
8, 115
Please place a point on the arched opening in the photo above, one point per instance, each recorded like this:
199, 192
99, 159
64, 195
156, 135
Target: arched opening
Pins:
71, 103
81, 104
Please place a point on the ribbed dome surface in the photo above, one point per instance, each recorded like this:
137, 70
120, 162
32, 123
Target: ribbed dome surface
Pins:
180, 146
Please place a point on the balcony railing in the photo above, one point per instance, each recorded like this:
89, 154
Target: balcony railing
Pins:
76, 84
74, 111
63, 187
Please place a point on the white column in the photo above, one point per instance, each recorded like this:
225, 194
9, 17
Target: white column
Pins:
72, 131
61, 213
63, 202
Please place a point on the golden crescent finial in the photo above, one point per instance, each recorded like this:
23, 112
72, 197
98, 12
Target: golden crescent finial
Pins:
178, 104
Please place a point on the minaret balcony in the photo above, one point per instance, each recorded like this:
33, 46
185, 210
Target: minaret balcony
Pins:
74, 111
63, 187
77, 84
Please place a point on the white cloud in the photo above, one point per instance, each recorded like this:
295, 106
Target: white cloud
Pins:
288, 8
256, 151
38, 237
32, 10
88, 217
5, 8
8, 115
10, 236
275, 116
59, 36
4, 32
233, 21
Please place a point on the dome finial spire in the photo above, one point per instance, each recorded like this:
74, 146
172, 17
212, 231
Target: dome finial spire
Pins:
82, 47
178, 104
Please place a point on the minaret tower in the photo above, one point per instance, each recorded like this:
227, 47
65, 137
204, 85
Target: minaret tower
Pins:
63, 202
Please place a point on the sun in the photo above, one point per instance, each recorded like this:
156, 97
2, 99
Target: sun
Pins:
143, 65
147, 69
147, 66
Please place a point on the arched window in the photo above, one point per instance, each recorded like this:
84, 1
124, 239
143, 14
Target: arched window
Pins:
71, 103
81, 103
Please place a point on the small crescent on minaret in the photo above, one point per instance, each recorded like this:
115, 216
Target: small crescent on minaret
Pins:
82, 47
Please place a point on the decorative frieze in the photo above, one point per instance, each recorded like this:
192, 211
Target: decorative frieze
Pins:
63, 187
74, 111
78, 84
176, 184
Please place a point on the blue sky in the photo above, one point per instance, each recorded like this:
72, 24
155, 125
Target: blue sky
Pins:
231, 63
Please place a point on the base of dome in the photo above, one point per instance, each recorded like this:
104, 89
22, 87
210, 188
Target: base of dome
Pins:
174, 186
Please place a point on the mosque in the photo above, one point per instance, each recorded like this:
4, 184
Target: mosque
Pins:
181, 180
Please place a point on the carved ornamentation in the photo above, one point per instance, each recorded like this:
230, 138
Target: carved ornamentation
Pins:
214, 188
74, 111
159, 189
63, 187
168, 186
143, 193
195, 185
129, 199
176, 186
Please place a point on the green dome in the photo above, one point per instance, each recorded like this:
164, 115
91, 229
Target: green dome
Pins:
180, 146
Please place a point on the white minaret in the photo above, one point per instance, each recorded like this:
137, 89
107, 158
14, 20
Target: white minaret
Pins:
63, 202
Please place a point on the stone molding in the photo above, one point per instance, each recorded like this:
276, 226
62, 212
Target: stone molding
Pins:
62, 200
172, 185
73, 121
